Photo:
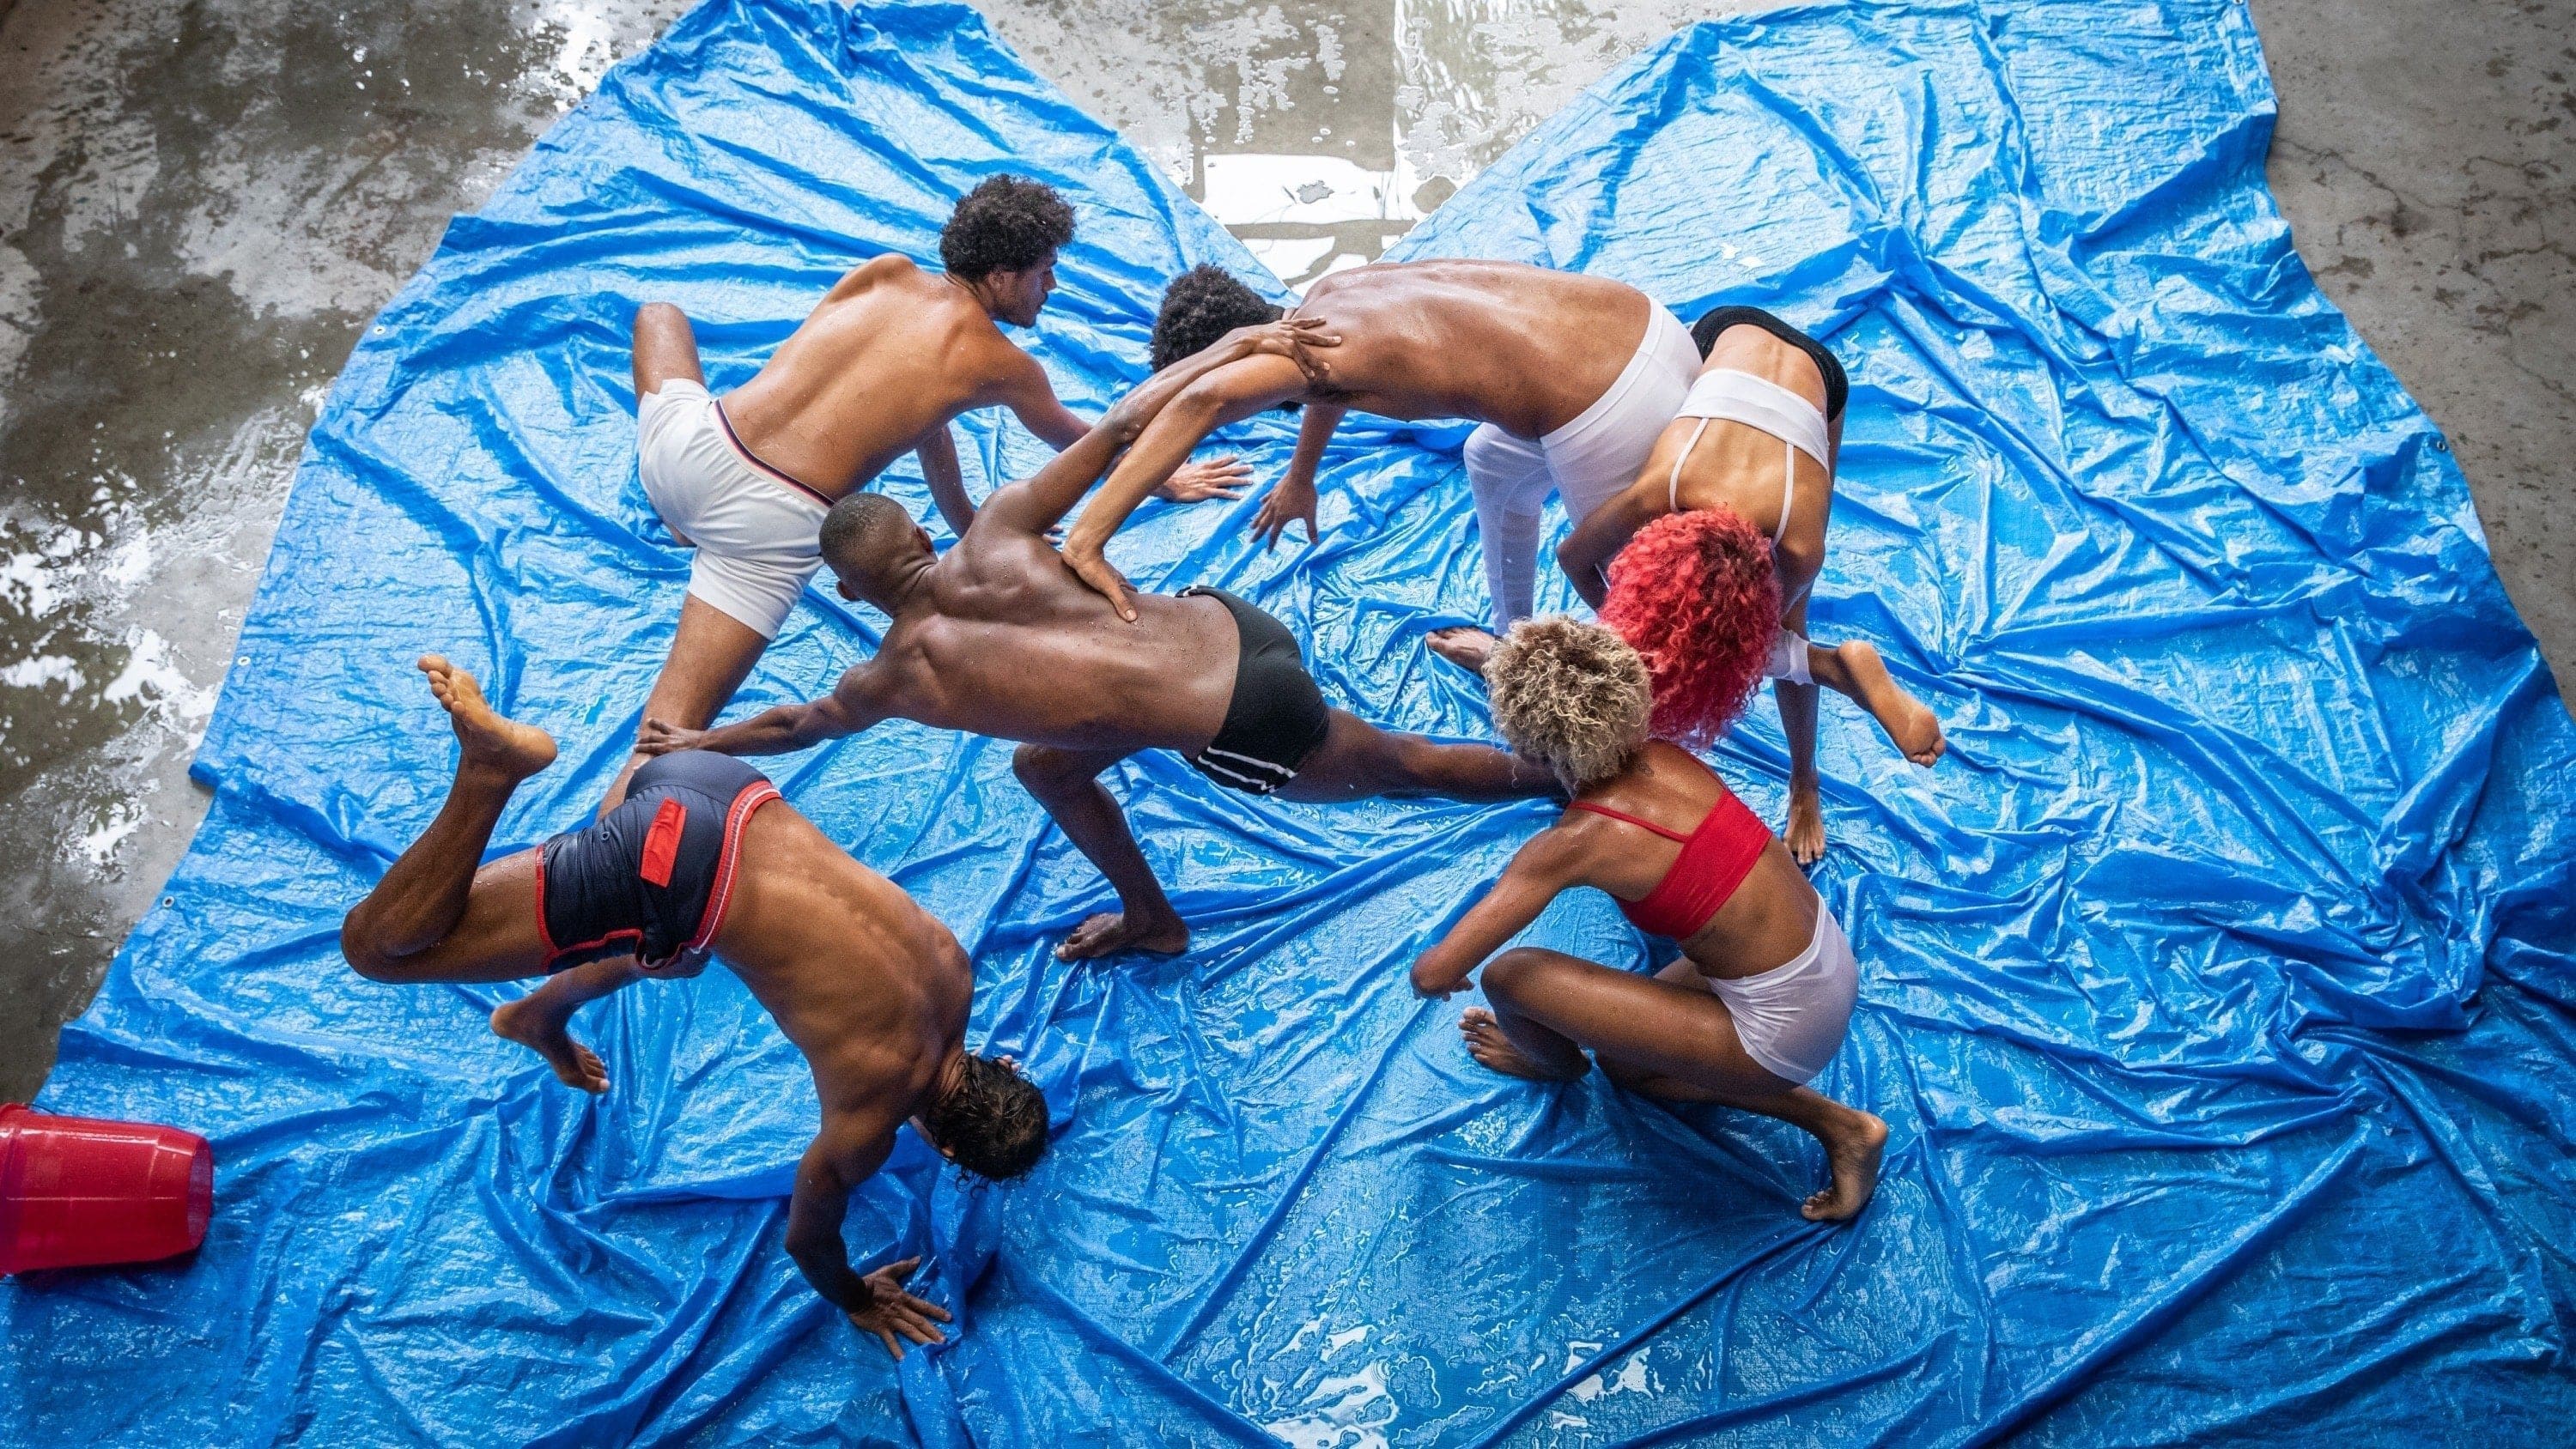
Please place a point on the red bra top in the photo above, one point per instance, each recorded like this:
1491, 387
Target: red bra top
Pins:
1715, 859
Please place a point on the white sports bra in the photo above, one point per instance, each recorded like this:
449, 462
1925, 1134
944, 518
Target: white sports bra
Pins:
1726, 395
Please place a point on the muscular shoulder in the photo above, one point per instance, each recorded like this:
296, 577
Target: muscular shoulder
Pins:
1557, 856
892, 269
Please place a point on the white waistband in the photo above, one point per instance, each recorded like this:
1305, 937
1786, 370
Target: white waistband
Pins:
1757, 402
1656, 348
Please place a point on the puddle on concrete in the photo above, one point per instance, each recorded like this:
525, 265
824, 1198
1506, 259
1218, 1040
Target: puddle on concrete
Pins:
201, 206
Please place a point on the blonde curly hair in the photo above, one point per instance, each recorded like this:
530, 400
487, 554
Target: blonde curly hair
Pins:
1572, 695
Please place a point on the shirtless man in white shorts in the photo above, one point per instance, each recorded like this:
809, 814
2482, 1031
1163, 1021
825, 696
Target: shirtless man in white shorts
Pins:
1573, 377
880, 367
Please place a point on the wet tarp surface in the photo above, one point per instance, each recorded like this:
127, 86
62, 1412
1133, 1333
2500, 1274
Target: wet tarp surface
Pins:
2216, 987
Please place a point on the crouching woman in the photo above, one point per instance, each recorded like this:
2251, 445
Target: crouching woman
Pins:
1762, 996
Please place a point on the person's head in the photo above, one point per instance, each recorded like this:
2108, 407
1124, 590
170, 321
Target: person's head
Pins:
1570, 695
1697, 595
991, 1120
1201, 305
873, 547
1001, 242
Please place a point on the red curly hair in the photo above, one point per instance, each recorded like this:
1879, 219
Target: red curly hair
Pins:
1696, 594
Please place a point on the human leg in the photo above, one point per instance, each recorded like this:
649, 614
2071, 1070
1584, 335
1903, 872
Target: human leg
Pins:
711, 654
439, 914
1854, 670
1357, 760
1067, 783
542, 1019
1509, 480
665, 348
1805, 835
1670, 1037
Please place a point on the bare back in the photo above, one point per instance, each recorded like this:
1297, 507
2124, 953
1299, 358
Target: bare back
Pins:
1016, 647
891, 353
872, 988
1732, 465
1524, 348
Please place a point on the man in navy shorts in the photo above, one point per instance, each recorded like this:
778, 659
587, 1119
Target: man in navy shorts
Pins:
702, 856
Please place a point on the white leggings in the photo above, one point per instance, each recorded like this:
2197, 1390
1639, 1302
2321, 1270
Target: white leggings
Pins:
1585, 463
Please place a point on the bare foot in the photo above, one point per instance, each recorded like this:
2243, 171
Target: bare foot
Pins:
1806, 833
1914, 728
1107, 932
1465, 647
1853, 1149
512, 749
1496, 1052
533, 1023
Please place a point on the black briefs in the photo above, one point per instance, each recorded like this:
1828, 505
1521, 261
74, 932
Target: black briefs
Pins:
1276, 716
1707, 330
652, 877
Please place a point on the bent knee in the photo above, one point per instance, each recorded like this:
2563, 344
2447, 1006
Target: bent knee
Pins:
1515, 971
659, 317
1041, 767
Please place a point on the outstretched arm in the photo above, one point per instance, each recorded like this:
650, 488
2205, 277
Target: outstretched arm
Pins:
858, 702
938, 455
1236, 390
1036, 505
1025, 390
1586, 553
846, 1153
1293, 497
1538, 872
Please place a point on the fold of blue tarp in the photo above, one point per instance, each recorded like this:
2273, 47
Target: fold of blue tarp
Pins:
2216, 988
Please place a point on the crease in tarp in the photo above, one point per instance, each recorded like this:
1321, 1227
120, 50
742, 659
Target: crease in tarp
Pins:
2215, 987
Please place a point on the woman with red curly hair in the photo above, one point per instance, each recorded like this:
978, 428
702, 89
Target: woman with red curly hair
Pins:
1761, 999
1717, 543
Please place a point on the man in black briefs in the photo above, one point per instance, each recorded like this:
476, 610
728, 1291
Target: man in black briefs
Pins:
702, 856
1000, 638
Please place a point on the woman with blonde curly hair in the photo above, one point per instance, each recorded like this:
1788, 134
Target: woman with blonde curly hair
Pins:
1762, 996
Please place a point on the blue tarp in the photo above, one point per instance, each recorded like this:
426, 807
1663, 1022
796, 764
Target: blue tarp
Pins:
2216, 987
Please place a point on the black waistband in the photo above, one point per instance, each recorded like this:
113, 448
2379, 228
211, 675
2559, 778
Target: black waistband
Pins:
1709, 328
1276, 717
652, 877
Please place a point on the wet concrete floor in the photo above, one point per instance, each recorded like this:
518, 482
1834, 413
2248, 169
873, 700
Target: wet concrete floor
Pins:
201, 204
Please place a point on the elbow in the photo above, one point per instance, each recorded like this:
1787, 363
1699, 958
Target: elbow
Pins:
361, 948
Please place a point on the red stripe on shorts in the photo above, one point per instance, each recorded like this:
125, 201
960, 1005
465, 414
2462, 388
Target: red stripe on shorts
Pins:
662, 842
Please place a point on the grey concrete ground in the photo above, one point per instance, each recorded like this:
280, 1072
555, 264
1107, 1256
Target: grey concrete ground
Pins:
202, 203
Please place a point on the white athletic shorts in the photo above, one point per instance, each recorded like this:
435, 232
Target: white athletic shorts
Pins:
1586, 462
757, 532
1793, 1018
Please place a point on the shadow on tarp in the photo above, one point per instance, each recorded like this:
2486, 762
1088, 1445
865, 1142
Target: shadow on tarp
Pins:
2216, 987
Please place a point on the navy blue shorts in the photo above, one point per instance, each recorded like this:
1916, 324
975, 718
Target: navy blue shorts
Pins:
651, 878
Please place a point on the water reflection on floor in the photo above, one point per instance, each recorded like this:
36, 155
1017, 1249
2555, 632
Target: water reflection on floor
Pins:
201, 206
1319, 133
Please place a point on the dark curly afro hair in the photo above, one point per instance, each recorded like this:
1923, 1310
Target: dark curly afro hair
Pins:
1008, 224
1203, 304
993, 1123
1698, 596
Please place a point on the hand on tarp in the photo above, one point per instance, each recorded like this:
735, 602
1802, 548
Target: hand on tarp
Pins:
891, 1311
1291, 500
1195, 482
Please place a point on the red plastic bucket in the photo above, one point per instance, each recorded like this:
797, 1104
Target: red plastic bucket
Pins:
76, 1192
